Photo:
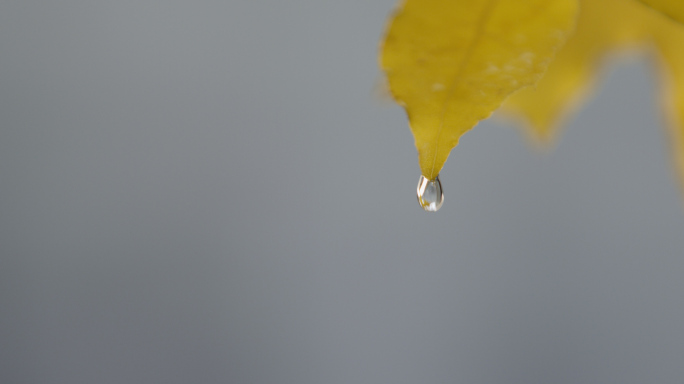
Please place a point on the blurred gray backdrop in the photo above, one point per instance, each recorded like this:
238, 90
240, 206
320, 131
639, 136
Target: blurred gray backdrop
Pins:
210, 192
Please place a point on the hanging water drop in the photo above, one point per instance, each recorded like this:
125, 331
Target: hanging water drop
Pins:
430, 196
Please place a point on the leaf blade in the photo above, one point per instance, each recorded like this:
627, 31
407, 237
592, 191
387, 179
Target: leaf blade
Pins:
452, 63
672, 8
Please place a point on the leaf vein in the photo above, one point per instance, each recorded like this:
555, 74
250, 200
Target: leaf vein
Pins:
479, 33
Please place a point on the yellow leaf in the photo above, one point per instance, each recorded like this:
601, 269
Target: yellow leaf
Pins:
672, 8
451, 63
606, 27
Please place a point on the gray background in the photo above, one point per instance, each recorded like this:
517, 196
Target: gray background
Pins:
210, 192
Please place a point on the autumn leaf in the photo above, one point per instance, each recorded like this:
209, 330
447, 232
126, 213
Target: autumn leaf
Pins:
672, 8
451, 63
605, 27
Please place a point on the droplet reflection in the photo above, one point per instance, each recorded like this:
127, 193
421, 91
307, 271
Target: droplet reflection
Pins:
430, 195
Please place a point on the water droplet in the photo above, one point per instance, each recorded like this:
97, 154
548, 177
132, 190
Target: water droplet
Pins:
430, 195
